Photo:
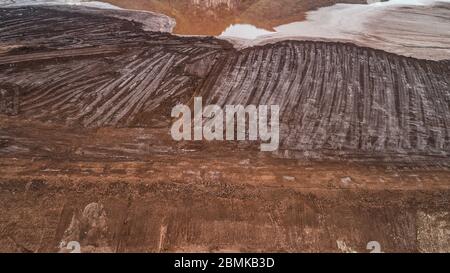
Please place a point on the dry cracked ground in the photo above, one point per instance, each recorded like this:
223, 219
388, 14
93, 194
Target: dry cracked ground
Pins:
86, 153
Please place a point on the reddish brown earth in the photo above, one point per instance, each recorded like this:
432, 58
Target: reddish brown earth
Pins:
156, 196
86, 154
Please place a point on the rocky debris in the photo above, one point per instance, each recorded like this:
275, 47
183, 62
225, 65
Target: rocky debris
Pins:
346, 181
89, 231
288, 178
342, 246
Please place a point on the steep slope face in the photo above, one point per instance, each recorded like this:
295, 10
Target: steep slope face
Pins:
336, 99
341, 97
96, 70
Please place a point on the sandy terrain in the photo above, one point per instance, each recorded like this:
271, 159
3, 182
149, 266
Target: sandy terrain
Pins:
411, 28
135, 190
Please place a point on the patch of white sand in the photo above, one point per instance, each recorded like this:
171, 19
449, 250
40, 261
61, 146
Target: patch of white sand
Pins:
244, 31
417, 28
343, 20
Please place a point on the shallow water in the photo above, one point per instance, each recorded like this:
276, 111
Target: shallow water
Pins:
247, 19
244, 31
255, 19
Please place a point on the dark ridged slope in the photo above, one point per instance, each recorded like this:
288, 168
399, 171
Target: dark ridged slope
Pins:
335, 98
341, 97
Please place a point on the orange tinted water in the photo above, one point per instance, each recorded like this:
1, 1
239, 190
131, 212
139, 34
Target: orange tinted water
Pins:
213, 17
